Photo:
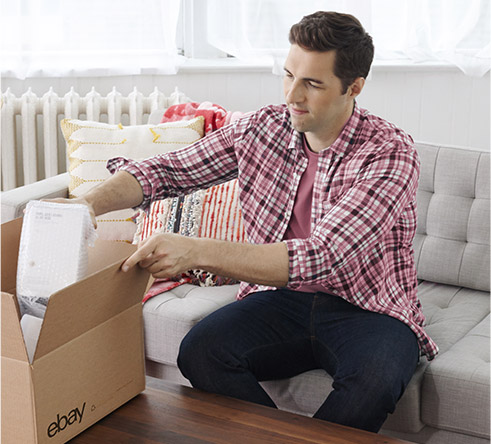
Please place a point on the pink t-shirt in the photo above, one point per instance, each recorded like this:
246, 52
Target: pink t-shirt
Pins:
299, 225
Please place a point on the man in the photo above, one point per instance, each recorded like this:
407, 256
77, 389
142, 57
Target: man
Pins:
328, 198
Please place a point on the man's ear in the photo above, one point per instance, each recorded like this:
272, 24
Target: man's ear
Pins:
355, 88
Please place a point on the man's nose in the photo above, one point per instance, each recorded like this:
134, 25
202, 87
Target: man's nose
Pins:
295, 93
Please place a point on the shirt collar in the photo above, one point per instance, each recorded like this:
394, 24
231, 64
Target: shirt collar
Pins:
347, 136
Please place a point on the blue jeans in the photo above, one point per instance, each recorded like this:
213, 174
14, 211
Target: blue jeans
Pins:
279, 334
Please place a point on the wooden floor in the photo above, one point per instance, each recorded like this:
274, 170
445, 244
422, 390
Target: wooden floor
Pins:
169, 413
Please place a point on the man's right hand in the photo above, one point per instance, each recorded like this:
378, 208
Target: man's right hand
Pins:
118, 192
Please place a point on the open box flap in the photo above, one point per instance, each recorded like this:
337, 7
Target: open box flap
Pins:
13, 346
10, 251
102, 368
93, 300
18, 406
105, 253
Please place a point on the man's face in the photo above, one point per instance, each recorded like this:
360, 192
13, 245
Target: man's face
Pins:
314, 96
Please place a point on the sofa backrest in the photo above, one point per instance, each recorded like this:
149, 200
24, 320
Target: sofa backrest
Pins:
452, 241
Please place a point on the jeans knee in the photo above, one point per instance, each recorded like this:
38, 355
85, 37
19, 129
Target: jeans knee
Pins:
200, 352
376, 382
386, 387
189, 355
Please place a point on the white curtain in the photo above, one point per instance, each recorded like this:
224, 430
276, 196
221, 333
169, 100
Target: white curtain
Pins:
88, 37
257, 30
450, 31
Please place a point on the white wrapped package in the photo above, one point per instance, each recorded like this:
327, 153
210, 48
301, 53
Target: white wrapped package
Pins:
53, 252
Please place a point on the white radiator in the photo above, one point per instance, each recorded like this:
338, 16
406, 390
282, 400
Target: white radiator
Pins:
33, 147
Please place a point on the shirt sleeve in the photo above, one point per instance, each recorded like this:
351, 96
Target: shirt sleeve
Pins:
209, 161
349, 238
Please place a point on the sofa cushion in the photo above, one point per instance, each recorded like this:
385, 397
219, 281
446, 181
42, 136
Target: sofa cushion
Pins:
456, 386
451, 312
452, 241
170, 315
455, 390
302, 394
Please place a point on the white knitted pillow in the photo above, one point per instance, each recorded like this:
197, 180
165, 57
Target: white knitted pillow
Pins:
91, 144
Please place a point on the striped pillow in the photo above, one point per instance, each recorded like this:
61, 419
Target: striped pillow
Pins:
213, 213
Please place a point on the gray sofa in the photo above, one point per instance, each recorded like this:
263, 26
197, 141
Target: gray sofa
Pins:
448, 399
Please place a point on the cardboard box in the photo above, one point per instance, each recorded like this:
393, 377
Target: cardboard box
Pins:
89, 358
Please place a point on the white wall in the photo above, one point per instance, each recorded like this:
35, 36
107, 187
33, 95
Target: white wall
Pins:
437, 104
442, 106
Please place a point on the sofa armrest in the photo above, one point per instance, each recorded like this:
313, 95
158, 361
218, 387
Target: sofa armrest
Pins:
14, 201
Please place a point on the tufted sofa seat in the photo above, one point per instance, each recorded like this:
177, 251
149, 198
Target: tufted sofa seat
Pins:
447, 400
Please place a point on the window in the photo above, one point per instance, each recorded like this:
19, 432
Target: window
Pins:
109, 37
89, 37
456, 32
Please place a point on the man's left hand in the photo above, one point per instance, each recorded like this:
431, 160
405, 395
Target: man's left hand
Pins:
163, 255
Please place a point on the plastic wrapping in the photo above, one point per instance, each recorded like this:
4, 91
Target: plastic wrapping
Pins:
53, 252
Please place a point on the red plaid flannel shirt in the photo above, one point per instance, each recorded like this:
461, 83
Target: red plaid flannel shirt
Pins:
364, 203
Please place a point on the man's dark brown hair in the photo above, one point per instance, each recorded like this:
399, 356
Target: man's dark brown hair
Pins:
327, 31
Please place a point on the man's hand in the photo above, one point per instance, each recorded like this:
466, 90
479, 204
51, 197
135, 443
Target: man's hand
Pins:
164, 255
118, 192
167, 255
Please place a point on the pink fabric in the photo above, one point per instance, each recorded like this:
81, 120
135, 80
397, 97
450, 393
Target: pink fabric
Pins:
215, 116
299, 226
163, 285
301, 220
233, 116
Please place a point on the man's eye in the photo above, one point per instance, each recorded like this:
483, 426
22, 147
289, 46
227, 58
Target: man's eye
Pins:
314, 85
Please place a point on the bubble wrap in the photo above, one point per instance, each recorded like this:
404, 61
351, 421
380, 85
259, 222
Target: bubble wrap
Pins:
53, 252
